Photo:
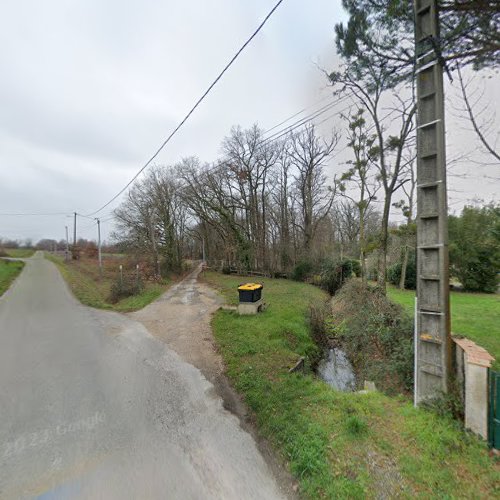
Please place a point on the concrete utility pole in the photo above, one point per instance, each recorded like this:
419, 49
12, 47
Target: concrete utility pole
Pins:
74, 231
99, 246
433, 339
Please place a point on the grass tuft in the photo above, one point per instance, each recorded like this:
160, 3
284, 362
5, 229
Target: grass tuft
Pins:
356, 426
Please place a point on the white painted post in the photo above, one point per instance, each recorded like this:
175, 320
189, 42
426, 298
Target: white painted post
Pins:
415, 355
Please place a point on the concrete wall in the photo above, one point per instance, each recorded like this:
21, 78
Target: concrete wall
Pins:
476, 399
471, 364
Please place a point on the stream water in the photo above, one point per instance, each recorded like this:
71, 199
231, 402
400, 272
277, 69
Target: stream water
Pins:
336, 370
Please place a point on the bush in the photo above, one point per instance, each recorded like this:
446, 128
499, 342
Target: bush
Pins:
475, 248
394, 273
91, 251
376, 334
335, 274
319, 323
302, 271
355, 266
126, 288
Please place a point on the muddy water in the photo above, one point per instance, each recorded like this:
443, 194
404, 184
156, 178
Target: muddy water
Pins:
336, 370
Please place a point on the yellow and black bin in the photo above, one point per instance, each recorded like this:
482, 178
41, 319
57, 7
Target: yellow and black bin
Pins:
250, 292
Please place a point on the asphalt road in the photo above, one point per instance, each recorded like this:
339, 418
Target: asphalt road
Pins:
93, 406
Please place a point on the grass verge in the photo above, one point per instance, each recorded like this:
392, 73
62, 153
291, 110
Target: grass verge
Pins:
19, 253
473, 315
340, 445
83, 279
9, 270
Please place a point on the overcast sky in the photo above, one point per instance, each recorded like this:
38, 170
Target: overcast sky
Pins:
89, 89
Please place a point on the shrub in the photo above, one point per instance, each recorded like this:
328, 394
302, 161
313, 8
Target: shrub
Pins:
376, 334
475, 248
394, 273
302, 270
335, 274
127, 287
319, 323
355, 266
446, 405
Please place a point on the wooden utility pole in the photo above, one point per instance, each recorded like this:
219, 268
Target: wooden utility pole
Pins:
74, 231
433, 339
67, 244
99, 246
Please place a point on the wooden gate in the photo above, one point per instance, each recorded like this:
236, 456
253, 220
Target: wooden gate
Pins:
494, 413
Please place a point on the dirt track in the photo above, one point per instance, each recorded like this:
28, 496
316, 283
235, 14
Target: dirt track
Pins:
181, 318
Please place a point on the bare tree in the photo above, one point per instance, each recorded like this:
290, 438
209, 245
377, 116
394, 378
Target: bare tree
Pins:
152, 219
250, 160
309, 154
478, 128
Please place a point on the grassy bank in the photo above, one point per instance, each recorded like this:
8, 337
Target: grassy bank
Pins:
340, 445
473, 315
19, 253
9, 270
83, 278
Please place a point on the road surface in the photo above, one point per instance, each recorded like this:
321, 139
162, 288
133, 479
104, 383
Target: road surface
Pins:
93, 406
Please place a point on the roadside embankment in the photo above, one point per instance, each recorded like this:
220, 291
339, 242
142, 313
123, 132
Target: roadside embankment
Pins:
340, 445
90, 289
9, 270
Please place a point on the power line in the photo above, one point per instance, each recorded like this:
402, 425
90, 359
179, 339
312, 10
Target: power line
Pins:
86, 216
33, 214
295, 114
191, 111
306, 119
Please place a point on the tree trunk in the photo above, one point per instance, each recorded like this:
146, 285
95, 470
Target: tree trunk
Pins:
384, 240
362, 242
402, 279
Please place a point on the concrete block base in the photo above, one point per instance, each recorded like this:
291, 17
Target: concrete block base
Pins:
245, 308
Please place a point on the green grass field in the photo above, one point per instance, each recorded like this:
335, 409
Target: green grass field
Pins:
83, 279
340, 445
19, 253
473, 315
9, 270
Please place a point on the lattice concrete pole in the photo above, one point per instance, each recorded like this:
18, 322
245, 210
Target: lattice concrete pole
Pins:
433, 362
